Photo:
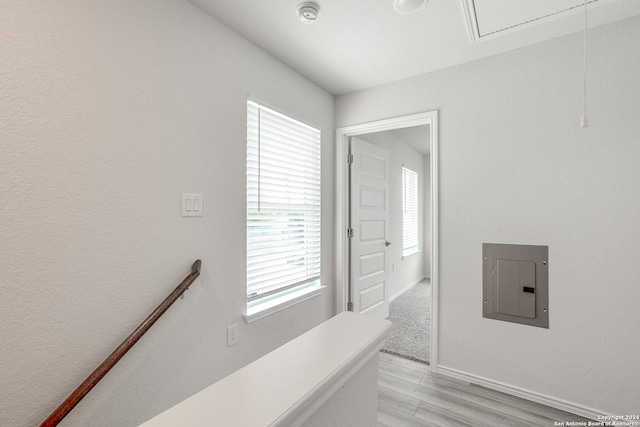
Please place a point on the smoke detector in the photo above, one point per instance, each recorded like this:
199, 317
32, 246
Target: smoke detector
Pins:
308, 12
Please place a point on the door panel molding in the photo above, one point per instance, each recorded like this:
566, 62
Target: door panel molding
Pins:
369, 275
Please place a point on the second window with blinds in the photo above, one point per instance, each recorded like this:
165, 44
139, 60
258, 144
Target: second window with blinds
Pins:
409, 212
283, 210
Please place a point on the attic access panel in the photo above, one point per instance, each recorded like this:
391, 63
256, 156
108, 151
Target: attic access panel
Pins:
491, 17
515, 283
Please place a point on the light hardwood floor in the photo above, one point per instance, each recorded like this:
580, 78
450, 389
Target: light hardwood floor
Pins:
410, 395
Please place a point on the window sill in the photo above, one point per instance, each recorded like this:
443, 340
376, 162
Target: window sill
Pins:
267, 306
410, 254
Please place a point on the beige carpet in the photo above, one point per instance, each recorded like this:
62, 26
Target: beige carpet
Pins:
409, 336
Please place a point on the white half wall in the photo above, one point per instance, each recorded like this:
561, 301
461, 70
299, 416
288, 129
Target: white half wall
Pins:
109, 111
355, 404
515, 167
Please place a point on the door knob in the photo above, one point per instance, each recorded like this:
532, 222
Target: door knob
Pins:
387, 243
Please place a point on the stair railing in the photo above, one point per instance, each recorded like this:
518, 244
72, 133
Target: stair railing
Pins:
122, 349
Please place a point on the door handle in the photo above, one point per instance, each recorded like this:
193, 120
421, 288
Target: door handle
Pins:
387, 243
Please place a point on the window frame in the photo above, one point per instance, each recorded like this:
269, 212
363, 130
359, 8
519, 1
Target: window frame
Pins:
305, 199
408, 248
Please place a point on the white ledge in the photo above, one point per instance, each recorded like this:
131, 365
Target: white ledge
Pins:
410, 254
286, 386
270, 305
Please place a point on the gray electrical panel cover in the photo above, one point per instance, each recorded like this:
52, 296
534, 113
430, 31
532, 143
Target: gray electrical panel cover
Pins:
515, 283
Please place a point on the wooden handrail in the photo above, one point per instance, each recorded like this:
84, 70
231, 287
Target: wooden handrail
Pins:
122, 349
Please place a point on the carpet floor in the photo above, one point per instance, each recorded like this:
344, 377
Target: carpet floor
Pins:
409, 336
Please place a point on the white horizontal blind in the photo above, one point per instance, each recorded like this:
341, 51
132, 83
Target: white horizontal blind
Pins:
283, 202
409, 211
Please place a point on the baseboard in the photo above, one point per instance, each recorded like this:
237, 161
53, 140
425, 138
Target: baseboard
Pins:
553, 402
406, 288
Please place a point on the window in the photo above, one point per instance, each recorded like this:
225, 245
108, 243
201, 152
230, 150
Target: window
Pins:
283, 203
409, 212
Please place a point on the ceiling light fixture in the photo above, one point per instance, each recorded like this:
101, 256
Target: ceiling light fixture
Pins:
308, 12
408, 6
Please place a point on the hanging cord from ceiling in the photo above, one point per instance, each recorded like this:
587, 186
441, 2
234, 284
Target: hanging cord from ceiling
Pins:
584, 121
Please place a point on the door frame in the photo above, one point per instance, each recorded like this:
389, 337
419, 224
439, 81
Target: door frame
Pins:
342, 209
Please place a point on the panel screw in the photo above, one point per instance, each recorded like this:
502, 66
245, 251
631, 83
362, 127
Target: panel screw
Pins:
545, 310
544, 262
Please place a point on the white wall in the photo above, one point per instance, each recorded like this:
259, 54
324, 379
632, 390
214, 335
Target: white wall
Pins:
355, 404
109, 110
516, 168
411, 269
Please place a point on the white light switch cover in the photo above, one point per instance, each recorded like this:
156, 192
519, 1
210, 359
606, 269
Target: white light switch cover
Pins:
191, 204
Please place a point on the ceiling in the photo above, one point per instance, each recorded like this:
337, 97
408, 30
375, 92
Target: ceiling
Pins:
414, 136
357, 44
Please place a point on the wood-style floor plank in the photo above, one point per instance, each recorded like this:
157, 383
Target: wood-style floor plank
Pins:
401, 372
404, 363
391, 417
537, 410
397, 401
410, 395
501, 411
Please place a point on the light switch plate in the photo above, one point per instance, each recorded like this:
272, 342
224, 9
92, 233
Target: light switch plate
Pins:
232, 335
191, 204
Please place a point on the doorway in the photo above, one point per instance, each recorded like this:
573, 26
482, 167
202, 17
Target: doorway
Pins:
342, 279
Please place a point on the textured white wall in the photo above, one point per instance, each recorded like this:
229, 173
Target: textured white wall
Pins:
355, 404
409, 270
109, 110
516, 168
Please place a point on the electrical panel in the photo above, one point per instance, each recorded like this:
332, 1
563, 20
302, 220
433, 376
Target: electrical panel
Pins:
516, 283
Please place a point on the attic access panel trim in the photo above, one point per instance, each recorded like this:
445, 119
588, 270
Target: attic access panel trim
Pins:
488, 18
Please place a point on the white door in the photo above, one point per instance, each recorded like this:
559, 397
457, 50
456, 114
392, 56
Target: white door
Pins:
370, 224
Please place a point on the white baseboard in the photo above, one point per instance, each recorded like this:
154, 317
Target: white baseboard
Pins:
553, 402
406, 288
